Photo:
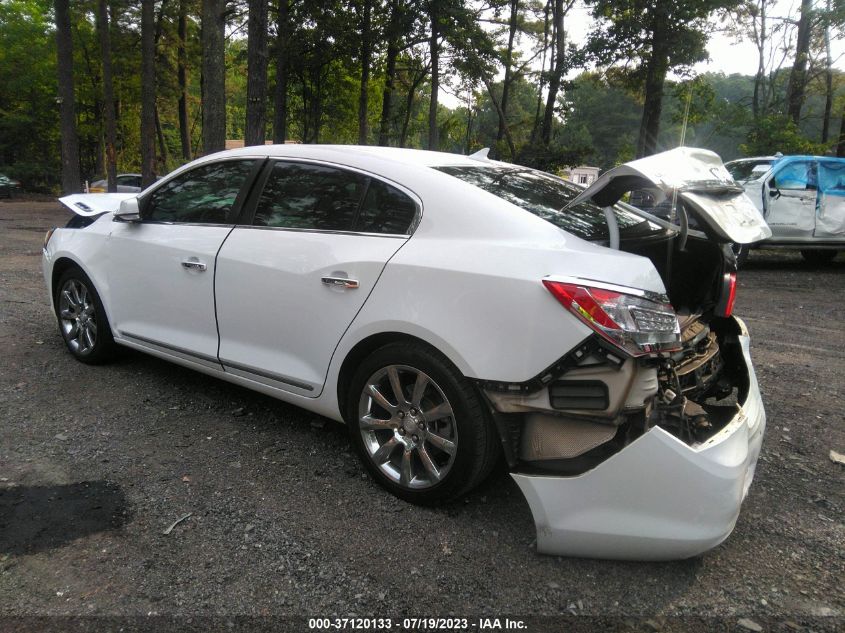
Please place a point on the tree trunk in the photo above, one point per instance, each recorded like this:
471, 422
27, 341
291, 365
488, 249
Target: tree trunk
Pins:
280, 96
501, 114
506, 82
798, 76
656, 69
409, 104
213, 76
393, 36
256, 86
162, 144
366, 57
108, 94
537, 120
557, 72
71, 179
652, 108
182, 78
433, 140
759, 78
828, 79
148, 93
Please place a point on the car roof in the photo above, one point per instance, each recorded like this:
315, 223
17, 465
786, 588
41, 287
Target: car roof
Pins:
406, 156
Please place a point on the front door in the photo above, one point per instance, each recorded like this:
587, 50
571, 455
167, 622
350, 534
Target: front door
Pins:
289, 285
790, 198
161, 270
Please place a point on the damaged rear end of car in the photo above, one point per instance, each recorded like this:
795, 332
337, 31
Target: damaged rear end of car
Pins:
641, 442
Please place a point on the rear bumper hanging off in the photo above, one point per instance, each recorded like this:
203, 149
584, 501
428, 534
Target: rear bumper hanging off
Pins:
656, 499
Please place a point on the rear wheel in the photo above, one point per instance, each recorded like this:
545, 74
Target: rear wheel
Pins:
418, 425
82, 320
818, 257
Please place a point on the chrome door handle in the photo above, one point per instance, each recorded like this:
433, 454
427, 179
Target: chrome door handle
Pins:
340, 282
193, 264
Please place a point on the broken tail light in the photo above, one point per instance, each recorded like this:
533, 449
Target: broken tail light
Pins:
635, 321
728, 296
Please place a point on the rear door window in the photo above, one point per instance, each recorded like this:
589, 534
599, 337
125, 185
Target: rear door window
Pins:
309, 196
385, 210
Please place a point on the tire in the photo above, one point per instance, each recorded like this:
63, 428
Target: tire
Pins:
818, 257
82, 320
420, 458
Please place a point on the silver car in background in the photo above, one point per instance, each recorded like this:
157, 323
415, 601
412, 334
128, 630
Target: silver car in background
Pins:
802, 199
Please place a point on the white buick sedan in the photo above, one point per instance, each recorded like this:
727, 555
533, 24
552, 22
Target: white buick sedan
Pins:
452, 311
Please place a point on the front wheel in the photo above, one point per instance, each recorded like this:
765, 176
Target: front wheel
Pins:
418, 425
82, 320
818, 257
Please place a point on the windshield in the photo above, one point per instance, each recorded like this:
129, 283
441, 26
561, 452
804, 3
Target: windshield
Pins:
546, 196
748, 169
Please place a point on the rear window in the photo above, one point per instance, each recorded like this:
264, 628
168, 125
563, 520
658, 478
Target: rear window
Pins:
546, 197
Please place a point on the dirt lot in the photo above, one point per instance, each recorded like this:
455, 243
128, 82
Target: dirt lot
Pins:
96, 463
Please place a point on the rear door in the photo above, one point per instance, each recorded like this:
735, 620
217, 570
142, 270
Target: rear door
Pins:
790, 198
289, 284
830, 220
161, 270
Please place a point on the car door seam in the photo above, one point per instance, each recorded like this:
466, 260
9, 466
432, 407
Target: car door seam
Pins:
352, 320
214, 291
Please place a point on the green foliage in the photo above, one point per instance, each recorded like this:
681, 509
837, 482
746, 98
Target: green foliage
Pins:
29, 135
597, 115
628, 29
777, 133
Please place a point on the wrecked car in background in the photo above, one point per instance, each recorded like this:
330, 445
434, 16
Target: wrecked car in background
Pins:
450, 309
803, 201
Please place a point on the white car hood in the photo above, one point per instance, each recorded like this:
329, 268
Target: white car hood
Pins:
90, 204
700, 179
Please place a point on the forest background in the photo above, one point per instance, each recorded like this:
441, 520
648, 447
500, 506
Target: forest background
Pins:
90, 88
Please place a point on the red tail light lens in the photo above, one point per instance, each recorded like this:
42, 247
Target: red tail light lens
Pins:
635, 322
726, 303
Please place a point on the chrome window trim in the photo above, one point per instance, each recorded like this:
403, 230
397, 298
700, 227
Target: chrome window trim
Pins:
169, 223
402, 236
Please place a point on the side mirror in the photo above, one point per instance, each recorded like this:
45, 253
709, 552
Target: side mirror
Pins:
774, 193
129, 211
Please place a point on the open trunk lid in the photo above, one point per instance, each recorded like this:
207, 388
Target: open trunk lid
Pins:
699, 179
91, 204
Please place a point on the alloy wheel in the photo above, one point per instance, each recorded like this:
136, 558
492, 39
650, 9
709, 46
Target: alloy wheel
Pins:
408, 427
78, 316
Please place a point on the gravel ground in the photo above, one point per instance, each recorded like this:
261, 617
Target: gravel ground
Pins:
97, 462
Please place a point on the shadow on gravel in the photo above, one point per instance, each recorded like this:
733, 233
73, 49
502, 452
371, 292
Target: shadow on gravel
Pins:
35, 518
